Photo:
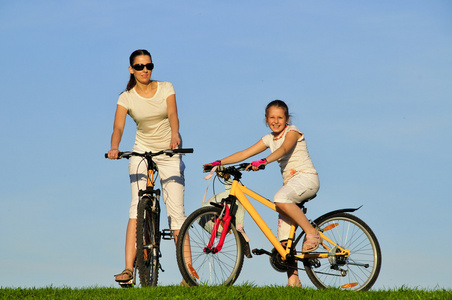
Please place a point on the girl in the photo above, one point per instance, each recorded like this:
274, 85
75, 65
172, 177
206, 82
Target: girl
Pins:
288, 147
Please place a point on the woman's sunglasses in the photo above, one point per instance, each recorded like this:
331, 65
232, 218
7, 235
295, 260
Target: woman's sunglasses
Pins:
140, 67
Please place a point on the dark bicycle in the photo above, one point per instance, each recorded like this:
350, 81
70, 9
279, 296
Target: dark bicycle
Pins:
148, 231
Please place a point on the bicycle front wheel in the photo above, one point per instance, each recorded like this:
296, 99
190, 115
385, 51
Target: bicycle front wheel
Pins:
148, 241
199, 267
360, 269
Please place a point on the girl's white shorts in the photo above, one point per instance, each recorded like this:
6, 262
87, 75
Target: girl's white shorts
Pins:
300, 187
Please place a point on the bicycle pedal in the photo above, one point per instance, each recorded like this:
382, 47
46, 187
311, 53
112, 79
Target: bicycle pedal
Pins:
260, 252
167, 234
127, 284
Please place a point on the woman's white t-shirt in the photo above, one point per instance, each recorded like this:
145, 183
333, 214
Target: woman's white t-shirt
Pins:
151, 116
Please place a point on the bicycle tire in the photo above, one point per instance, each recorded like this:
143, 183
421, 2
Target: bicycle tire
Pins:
348, 273
148, 241
222, 268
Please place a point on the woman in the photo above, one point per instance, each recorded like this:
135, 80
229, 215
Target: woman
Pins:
152, 105
288, 147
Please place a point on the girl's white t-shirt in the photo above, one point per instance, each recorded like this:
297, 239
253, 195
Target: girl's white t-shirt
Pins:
295, 161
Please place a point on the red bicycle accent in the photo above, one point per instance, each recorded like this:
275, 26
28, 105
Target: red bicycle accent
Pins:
226, 220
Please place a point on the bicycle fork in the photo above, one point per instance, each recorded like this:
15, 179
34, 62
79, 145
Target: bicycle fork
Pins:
225, 221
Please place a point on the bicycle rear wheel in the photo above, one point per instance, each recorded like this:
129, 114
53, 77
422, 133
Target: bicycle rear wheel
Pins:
360, 269
221, 268
148, 241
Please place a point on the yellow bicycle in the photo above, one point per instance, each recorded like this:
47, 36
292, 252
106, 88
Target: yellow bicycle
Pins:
349, 256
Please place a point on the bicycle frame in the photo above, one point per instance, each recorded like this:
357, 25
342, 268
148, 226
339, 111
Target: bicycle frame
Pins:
239, 191
150, 172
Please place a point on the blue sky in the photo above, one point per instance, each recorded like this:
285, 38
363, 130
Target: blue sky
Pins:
369, 83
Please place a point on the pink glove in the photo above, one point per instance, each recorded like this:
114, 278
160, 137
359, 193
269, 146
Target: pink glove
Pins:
258, 163
211, 165
215, 163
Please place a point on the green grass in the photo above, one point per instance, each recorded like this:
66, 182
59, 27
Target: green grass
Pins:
234, 292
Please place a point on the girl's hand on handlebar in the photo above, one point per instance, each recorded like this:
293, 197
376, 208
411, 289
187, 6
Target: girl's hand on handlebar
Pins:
257, 164
210, 165
113, 154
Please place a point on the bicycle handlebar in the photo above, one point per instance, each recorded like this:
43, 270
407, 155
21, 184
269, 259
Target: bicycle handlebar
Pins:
168, 152
231, 169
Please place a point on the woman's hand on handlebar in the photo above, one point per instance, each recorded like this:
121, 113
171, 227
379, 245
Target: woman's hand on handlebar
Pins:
113, 154
175, 142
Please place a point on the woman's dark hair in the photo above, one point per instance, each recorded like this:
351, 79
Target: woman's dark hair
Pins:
132, 81
281, 104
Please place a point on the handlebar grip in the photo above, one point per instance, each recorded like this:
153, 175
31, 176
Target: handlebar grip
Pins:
207, 169
187, 150
120, 154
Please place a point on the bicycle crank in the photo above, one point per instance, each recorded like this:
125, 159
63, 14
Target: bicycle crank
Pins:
260, 252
